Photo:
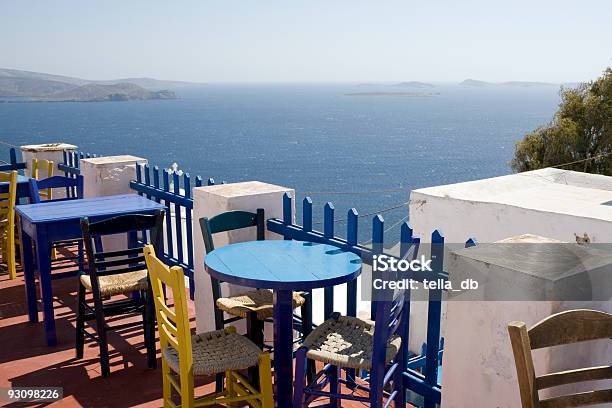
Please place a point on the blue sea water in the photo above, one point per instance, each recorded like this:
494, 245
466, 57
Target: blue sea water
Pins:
313, 138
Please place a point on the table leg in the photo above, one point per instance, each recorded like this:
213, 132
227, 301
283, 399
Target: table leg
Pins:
29, 276
283, 347
43, 257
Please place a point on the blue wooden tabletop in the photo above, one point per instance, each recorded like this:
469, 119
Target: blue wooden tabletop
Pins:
87, 207
283, 265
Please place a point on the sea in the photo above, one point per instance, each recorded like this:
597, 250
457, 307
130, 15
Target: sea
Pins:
357, 151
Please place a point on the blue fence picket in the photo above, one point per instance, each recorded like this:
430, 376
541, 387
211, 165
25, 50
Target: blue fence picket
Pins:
328, 232
168, 203
352, 225
434, 314
178, 219
307, 214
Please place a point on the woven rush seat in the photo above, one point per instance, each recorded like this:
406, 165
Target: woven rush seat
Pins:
217, 351
347, 342
259, 301
118, 284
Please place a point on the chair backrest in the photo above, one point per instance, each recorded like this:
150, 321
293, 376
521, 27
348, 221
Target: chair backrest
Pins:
172, 321
72, 186
229, 221
567, 327
8, 199
45, 167
392, 315
131, 259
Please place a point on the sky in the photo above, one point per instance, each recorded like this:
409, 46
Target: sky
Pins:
310, 41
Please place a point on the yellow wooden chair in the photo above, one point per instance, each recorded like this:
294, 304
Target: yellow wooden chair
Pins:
47, 171
567, 327
47, 167
185, 356
7, 222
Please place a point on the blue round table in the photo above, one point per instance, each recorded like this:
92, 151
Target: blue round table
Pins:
284, 267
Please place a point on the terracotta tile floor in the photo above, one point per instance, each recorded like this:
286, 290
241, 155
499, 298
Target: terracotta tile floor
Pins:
26, 361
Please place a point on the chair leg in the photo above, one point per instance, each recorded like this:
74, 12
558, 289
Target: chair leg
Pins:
230, 389
10, 252
80, 322
218, 326
265, 381
103, 342
255, 329
149, 329
187, 395
299, 377
167, 387
400, 396
306, 313
334, 386
376, 387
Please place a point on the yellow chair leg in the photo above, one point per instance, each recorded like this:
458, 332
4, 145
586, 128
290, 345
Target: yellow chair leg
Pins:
265, 381
167, 387
230, 389
187, 397
10, 246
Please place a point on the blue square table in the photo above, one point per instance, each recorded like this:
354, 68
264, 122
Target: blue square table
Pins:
45, 223
285, 267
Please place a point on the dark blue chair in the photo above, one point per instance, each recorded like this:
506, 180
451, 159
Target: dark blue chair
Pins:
73, 188
353, 344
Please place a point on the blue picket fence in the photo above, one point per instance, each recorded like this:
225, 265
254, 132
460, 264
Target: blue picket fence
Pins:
71, 165
174, 191
425, 381
13, 163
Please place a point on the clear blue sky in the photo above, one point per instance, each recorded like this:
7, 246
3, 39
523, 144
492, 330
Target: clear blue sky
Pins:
263, 41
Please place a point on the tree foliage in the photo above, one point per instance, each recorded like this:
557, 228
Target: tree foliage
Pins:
581, 131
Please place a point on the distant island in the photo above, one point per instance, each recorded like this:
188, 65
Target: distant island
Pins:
27, 86
412, 94
415, 84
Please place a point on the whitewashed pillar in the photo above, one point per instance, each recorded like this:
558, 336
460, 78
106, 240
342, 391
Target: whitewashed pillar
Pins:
212, 200
48, 151
109, 175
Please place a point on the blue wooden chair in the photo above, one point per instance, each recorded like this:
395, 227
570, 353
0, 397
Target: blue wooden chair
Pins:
73, 188
344, 342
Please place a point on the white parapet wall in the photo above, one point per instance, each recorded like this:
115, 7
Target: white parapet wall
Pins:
209, 201
555, 204
109, 175
48, 151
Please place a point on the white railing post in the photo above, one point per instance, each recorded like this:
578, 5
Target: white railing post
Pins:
209, 201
